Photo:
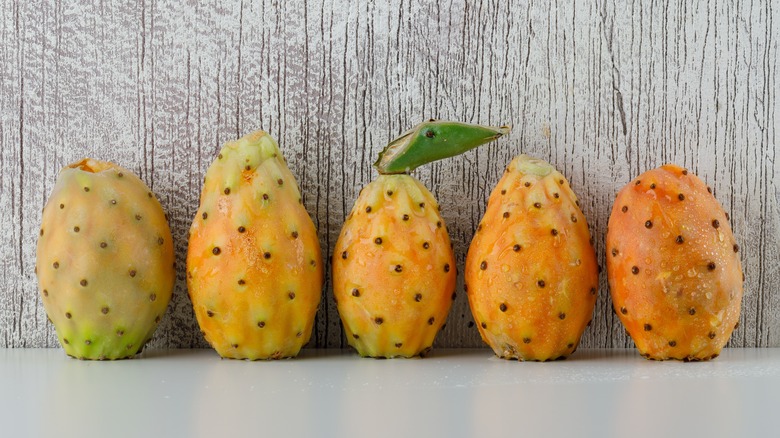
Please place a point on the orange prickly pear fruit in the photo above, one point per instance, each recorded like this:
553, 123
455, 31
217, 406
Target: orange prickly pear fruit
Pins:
393, 266
105, 261
254, 268
674, 273
531, 270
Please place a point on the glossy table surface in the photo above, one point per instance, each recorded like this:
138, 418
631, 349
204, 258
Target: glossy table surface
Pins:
193, 393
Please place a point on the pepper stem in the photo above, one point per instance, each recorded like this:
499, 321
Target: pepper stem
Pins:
434, 140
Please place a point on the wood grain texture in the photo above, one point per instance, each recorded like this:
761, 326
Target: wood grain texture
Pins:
603, 90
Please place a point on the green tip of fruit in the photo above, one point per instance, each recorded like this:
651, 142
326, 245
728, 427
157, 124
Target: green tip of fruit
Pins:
434, 140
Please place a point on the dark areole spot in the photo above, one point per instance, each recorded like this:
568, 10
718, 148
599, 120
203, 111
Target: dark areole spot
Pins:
625, 208
483, 265
635, 270
216, 250
648, 327
502, 307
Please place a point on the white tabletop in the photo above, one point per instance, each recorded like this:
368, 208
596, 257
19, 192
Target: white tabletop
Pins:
193, 393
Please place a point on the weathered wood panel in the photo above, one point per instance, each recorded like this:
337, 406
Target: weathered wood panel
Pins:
602, 89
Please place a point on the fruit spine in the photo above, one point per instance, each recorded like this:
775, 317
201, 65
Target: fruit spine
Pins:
254, 267
673, 266
105, 261
393, 266
531, 271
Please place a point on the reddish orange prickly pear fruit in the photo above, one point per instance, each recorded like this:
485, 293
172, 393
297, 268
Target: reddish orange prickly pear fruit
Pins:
674, 272
531, 271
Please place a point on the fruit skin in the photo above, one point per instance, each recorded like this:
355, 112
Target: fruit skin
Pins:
674, 272
393, 294
254, 266
531, 270
105, 261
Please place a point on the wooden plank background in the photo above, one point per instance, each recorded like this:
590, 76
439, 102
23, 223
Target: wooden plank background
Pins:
602, 89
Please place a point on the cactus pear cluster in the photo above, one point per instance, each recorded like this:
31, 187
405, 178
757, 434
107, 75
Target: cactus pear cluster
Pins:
105, 261
674, 270
531, 271
254, 267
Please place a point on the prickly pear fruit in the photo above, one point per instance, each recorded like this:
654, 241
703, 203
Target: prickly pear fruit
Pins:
674, 273
531, 270
105, 261
254, 267
393, 266
393, 269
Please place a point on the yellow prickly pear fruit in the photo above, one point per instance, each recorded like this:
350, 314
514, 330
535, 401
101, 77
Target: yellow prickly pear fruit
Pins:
254, 267
393, 267
531, 271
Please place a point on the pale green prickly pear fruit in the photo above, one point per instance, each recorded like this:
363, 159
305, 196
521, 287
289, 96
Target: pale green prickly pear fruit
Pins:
105, 261
254, 266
